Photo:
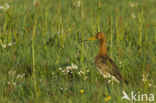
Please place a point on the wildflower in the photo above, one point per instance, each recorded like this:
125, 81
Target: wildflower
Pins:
85, 78
144, 77
9, 44
79, 3
8, 82
107, 98
63, 71
120, 62
133, 15
22, 75
87, 70
150, 85
18, 76
68, 71
109, 81
14, 83
60, 68
5, 7
81, 72
133, 5
9, 72
68, 67
13, 72
4, 46
53, 73
82, 91
74, 66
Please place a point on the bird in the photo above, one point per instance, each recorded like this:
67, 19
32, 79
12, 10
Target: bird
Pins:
104, 64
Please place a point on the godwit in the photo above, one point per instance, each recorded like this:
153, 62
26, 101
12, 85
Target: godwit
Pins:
104, 64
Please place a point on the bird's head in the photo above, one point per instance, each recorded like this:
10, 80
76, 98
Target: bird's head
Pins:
99, 36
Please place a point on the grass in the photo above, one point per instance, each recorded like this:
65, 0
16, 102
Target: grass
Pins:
36, 39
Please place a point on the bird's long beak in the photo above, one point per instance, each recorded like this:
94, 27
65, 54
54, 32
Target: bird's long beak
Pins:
89, 39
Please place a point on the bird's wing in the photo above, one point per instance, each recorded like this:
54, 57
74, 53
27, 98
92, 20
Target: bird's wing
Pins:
106, 65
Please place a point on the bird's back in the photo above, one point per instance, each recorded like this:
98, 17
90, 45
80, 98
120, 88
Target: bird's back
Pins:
106, 66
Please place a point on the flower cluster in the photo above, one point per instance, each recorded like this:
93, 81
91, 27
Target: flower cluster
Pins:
13, 78
133, 5
73, 69
149, 82
77, 3
68, 69
8, 45
120, 64
144, 77
5, 7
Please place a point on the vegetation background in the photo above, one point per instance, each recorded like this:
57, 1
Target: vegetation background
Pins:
42, 59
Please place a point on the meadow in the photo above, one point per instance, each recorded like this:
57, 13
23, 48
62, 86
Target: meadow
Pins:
42, 59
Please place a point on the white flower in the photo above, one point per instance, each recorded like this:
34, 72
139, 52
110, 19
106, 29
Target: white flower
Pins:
5, 6
1, 7
4, 46
81, 72
88, 70
53, 73
68, 67
150, 85
9, 72
79, 3
120, 62
18, 76
133, 15
9, 44
60, 68
85, 78
13, 72
74, 66
14, 83
68, 71
109, 81
8, 82
22, 75
63, 71
133, 5
144, 79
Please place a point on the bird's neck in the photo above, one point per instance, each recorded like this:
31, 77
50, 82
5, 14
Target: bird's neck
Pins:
102, 48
